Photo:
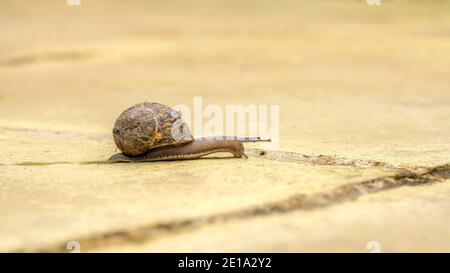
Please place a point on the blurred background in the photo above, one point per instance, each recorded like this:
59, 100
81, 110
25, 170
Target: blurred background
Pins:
326, 63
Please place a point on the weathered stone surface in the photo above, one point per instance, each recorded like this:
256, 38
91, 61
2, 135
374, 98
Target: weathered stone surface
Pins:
48, 202
363, 86
405, 219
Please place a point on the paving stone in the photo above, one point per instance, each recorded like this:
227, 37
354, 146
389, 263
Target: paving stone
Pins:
354, 83
370, 85
408, 219
52, 200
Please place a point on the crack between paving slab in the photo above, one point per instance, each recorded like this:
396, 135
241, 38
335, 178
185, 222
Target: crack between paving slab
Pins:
286, 156
340, 194
47, 57
58, 133
281, 156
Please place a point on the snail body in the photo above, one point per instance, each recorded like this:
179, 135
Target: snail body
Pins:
192, 150
149, 132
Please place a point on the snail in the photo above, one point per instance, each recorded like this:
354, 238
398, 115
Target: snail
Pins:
155, 132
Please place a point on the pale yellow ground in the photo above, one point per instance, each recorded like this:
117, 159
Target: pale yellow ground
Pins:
352, 81
411, 220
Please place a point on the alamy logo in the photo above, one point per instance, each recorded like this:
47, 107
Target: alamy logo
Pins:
73, 2
232, 120
373, 2
73, 246
373, 247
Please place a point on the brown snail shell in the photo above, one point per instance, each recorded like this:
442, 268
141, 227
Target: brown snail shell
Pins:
146, 126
